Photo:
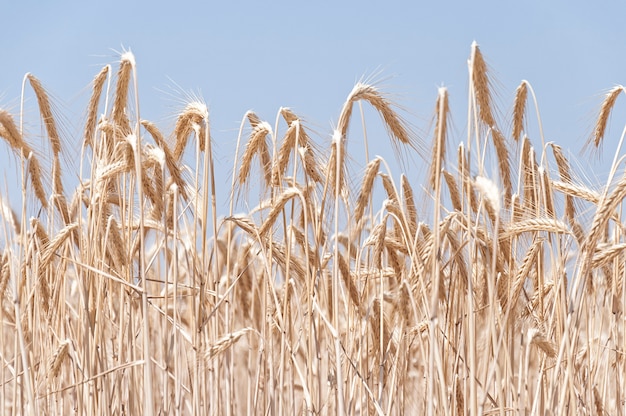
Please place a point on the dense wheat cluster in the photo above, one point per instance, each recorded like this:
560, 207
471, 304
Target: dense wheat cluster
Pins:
131, 294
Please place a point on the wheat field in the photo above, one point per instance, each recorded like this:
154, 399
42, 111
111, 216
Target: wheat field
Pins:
337, 292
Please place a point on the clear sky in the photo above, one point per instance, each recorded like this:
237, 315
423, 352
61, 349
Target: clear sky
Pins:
242, 55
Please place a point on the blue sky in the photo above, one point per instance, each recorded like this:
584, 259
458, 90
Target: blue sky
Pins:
263, 55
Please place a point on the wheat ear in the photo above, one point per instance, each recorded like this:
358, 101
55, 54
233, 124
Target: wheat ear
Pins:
442, 109
455, 197
409, 203
194, 115
120, 118
170, 161
480, 83
277, 208
305, 144
46, 113
519, 109
564, 172
289, 143
256, 145
504, 164
34, 170
366, 188
54, 365
92, 108
396, 126
603, 117
603, 213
